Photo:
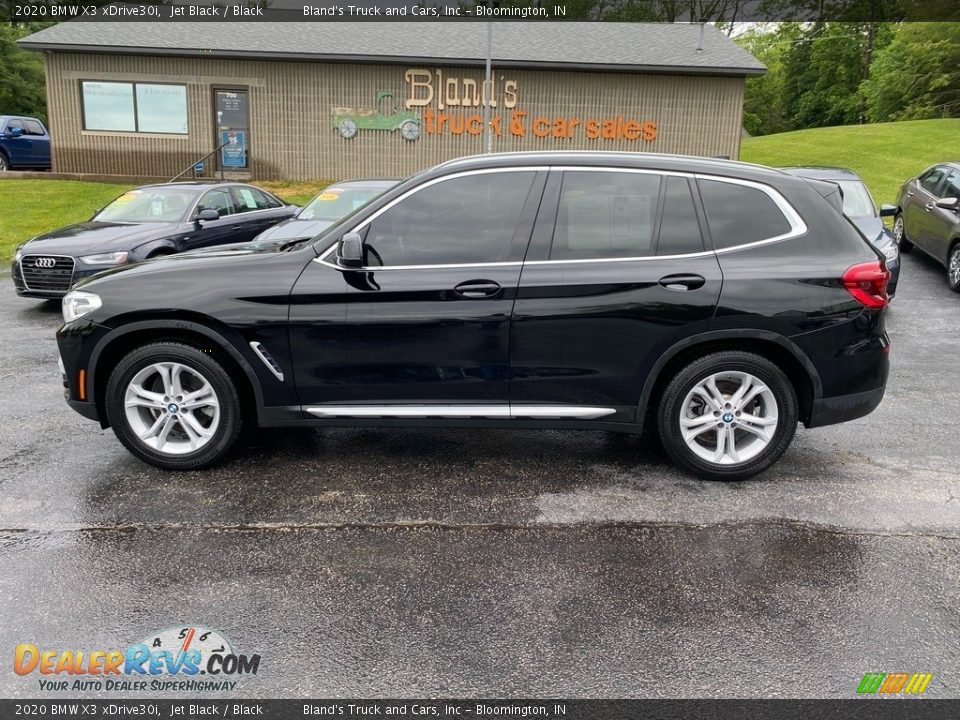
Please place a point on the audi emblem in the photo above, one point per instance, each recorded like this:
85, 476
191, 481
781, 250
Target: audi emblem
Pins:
45, 262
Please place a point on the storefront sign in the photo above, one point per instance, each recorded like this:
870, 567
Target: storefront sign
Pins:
234, 153
454, 105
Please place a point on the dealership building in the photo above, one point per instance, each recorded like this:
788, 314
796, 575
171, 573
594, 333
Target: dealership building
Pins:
306, 100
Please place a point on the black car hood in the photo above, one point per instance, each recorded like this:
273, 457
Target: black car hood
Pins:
873, 229
94, 237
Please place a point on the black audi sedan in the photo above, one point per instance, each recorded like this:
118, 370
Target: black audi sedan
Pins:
859, 206
144, 223
719, 302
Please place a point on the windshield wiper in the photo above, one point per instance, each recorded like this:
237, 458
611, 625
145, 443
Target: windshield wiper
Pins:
293, 243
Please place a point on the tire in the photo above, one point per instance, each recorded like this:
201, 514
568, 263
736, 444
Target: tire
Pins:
900, 234
953, 268
166, 432
4, 163
773, 405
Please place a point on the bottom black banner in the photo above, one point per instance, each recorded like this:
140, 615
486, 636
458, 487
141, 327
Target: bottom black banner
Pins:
853, 709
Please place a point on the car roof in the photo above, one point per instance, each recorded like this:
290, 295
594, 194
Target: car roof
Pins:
197, 185
638, 160
822, 172
371, 182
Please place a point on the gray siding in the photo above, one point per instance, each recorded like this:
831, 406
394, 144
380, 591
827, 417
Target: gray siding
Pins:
293, 135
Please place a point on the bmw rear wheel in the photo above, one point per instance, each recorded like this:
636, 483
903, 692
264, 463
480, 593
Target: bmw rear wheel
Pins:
727, 416
4, 165
174, 406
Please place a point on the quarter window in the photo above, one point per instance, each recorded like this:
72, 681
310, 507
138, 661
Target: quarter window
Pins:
679, 228
605, 215
134, 107
737, 214
469, 219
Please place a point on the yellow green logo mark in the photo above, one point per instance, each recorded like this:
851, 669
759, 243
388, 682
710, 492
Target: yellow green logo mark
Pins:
894, 683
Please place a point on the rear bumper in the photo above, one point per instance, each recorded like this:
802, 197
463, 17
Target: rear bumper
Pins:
829, 411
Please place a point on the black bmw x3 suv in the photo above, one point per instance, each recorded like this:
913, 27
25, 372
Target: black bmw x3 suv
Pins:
719, 302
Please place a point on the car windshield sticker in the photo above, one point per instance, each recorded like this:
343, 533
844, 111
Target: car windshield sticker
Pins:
328, 195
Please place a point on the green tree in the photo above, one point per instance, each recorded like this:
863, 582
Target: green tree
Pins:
917, 75
21, 80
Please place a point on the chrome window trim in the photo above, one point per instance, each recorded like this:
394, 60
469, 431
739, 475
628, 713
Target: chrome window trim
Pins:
499, 412
797, 226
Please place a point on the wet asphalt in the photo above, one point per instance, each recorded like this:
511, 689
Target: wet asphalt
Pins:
455, 563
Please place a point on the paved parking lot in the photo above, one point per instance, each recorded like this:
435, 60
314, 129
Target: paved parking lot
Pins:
489, 563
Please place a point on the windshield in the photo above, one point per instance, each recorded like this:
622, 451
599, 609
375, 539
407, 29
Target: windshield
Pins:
148, 205
338, 201
856, 199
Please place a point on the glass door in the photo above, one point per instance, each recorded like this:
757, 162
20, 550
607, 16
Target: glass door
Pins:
233, 128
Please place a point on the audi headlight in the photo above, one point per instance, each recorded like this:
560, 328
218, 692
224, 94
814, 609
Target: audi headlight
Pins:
111, 258
77, 303
18, 254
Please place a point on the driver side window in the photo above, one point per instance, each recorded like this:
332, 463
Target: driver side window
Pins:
218, 200
931, 180
464, 220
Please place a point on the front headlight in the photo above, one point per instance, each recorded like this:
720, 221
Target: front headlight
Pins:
18, 254
890, 251
77, 303
112, 258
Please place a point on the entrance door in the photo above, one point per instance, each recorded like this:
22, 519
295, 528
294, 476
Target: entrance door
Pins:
232, 124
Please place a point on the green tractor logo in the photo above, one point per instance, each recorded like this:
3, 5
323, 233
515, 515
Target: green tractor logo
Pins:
386, 116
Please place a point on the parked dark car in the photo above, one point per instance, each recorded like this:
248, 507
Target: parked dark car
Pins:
333, 204
24, 144
144, 223
859, 206
928, 217
720, 302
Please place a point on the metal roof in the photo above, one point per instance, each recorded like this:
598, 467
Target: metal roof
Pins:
602, 46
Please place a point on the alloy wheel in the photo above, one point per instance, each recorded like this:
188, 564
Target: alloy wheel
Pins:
729, 418
172, 408
898, 229
953, 271
3, 163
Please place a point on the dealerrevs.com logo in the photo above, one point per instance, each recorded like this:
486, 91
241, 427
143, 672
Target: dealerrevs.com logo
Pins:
191, 659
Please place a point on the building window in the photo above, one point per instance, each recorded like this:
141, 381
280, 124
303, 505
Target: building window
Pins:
134, 107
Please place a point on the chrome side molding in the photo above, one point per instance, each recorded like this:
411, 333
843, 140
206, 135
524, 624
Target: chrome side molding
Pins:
528, 412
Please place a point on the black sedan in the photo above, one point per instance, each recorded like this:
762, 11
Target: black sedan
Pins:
859, 206
145, 223
330, 206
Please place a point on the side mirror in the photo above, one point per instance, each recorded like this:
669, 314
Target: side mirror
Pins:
208, 214
888, 210
15, 132
350, 251
950, 203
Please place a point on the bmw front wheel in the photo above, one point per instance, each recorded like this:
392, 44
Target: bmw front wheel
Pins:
174, 406
727, 416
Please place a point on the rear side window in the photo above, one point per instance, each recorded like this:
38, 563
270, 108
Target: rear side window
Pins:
605, 215
247, 199
738, 214
34, 128
679, 228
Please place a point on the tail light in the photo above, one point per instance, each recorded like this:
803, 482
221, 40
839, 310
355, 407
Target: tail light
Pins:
867, 282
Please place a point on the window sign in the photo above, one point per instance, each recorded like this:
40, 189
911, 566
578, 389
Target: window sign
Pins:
134, 107
108, 106
233, 154
162, 108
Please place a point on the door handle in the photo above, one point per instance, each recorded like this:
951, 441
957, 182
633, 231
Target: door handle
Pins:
238, 227
929, 207
909, 193
478, 289
682, 282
